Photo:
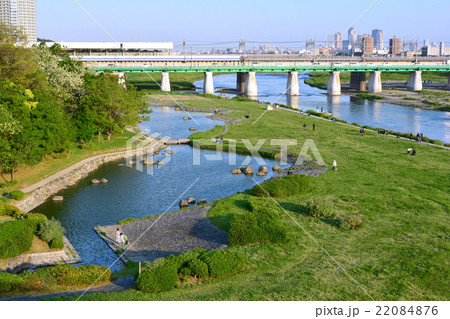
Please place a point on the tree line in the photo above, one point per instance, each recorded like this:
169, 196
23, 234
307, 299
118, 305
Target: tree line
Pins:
49, 103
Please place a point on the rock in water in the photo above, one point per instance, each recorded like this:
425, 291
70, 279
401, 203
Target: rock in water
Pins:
103, 181
148, 161
202, 201
263, 169
191, 200
276, 168
95, 181
249, 170
184, 203
169, 151
193, 129
160, 163
236, 171
185, 118
260, 174
58, 198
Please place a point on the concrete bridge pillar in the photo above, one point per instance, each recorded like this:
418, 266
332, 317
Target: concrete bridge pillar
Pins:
415, 81
375, 82
334, 84
165, 82
358, 81
292, 86
240, 82
251, 88
208, 84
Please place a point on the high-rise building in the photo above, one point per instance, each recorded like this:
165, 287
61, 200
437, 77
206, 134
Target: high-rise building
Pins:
352, 36
338, 40
367, 44
378, 37
395, 46
330, 41
20, 14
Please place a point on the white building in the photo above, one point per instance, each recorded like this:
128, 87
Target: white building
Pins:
20, 14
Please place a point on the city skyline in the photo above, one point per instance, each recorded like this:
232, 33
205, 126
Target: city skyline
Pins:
161, 22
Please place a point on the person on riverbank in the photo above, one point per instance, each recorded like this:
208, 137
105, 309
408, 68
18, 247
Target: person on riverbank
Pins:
413, 153
314, 126
123, 241
361, 131
221, 140
334, 165
304, 127
118, 236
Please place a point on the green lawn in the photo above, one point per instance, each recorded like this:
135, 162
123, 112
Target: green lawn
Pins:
401, 251
152, 81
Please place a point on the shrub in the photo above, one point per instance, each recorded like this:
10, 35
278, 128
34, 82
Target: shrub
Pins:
162, 278
320, 207
222, 263
67, 275
185, 271
16, 195
9, 282
3, 210
284, 187
16, 238
50, 229
261, 225
181, 260
11, 209
57, 243
198, 268
35, 219
3, 199
351, 222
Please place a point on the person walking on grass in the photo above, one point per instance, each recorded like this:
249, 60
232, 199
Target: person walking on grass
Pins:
334, 165
314, 126
304, 126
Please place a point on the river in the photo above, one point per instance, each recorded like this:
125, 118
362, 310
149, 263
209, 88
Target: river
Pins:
135, 194
271, 87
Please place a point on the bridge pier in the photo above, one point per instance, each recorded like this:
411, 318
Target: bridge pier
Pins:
208, 84
334, 84
415, 81
165, 82
375, 82
292, 86
358, 81
251, 88
240, 82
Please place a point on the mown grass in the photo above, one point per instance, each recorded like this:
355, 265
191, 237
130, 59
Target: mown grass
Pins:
152, 81
401, 251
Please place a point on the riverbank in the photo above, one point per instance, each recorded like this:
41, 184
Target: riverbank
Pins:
394, 91
397, 253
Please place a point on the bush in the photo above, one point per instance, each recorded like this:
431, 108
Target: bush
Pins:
67, 275
222, 263
57, 243
16, 238
284, 187
198, 268
160, 279
3, 199
185, 271
181, 260
347, 223
35, 219
261, 225
320, 207
3, 210
9, 282
16, 195
11, 209
50, 229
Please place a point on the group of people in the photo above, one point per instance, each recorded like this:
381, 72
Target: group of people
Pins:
219, 141
121, 239
411, 151
419, 136
314, 126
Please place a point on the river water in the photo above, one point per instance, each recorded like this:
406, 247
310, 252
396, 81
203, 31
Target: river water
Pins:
135, 194
271, 87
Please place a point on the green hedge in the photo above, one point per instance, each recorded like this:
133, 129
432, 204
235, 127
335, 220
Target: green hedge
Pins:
50, 229
16, 195
261, 225
16, 238
10, 282
198, 268
35, 219
284, 187
67, 275
160, 279
57, 243
320, 207
222, 263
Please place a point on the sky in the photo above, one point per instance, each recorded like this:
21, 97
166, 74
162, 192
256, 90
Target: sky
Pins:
203, 22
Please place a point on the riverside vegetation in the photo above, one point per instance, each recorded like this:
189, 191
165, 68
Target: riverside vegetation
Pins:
382, 216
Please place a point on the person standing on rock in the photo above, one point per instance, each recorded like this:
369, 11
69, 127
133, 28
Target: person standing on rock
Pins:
118, 236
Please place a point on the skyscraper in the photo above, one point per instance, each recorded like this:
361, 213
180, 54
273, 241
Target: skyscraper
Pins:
20, 14
352, 36
378, 37
395, 46
367, 45
338, 40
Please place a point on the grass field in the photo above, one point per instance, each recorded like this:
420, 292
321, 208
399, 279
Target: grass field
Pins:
401, 251
152, 81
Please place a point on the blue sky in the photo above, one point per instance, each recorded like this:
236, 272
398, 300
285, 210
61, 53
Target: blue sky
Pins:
263, 20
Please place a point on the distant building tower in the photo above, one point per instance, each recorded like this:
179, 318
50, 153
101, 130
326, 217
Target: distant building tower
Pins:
367, 45
395, 46
378, 37
352, 36
330, 41
338, 40
442, 49
20, 14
